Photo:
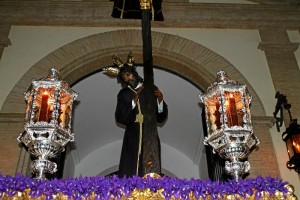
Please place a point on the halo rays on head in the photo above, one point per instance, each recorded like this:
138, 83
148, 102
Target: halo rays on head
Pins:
119, 65
120, 68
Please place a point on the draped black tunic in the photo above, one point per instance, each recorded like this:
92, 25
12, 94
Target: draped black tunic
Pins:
126, 115
130, 9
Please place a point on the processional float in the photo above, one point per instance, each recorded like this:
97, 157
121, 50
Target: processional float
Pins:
230, 133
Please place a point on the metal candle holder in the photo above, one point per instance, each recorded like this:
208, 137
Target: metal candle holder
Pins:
228, 119
47, 122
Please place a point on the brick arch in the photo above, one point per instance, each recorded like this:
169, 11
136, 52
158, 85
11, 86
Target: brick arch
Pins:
87, 55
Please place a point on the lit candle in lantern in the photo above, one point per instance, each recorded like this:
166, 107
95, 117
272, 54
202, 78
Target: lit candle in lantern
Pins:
296, 147
233, 117
44, 107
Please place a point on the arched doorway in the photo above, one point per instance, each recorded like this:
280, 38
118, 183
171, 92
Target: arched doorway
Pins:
83, 57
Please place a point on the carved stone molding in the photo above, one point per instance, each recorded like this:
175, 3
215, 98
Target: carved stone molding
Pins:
12, 117
177, 14
263, 121
266, 46
4, 42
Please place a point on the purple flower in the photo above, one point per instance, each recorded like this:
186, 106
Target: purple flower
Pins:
104, 188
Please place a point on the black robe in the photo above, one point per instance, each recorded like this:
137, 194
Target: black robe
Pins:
126, 115
130, 9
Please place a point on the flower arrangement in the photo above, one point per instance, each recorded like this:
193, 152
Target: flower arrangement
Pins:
21, 187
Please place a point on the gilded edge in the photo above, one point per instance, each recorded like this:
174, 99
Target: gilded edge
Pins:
148, 194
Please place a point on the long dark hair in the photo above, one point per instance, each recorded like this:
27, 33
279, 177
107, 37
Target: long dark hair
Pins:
130, 69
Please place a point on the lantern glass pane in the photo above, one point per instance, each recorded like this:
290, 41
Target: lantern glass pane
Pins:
213, 107
28, 109
44, 104
296, 142
289, 146
234, 105
65, 110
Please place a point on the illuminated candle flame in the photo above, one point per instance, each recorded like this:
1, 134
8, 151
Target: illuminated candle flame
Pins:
296, 146
232, 112
44, 107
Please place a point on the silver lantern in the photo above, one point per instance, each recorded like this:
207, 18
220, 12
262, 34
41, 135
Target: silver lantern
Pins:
229, 127
47, 122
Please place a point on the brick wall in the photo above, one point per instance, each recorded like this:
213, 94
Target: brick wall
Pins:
11, 125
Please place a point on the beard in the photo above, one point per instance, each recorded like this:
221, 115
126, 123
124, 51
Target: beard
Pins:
134, 83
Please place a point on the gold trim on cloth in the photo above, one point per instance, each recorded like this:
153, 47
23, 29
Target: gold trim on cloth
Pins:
146, 194
145, 4
140, 120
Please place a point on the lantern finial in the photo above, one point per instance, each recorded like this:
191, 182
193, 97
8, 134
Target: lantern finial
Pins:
222, 79
53, 74
222, 76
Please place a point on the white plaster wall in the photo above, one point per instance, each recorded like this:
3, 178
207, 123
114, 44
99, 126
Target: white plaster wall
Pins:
172, 160
104, 158
175, 161
70, 162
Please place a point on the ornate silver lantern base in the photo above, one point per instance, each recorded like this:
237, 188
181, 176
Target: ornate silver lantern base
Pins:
42, 166
236, 152
43, 147
44, 150
234, 146
237, 168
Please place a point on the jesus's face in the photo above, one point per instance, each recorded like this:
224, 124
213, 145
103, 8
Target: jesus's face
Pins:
130, 79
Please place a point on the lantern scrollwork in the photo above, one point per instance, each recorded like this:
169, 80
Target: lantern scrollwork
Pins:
47, 122
228, 119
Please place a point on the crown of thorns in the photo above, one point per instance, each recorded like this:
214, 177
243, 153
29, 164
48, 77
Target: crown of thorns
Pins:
119, 64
